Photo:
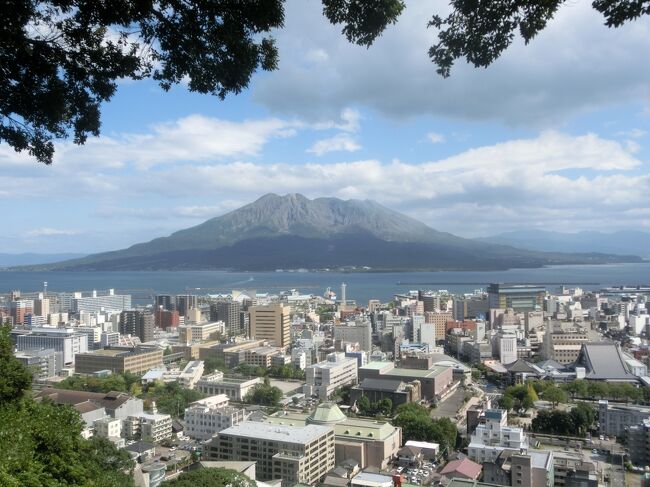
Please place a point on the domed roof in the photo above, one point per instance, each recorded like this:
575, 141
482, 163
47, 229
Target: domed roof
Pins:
326, 413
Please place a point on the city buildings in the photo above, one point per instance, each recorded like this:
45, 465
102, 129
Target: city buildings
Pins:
296, 454
235, 388
615, 419
359, 331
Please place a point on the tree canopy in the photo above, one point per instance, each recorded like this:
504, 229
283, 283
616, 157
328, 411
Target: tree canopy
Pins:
211, 477
61, 59
41, 442
417, 424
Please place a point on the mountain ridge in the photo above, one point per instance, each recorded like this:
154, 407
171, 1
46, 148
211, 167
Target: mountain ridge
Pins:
293, 231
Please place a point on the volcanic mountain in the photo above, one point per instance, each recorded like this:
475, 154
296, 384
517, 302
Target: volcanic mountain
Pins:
292, 231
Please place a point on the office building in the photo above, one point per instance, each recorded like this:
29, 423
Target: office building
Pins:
293, 453
525, 468
119, 360
166, 318
272, 323
186, 302
209, 416
235, 388
20, 309
154, 427
615, 419
324, 378
519, 297
230, 313
44, 363
137, 323
199, 332
64, 340
359, 332
369, 442
166, 302
435, 382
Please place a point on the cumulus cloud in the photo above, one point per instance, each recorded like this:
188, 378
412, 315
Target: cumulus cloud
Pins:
340, 142
575, 65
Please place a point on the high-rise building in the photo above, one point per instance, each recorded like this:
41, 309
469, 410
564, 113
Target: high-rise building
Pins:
185, 302
137, 323
229, 312
42, 307
166, 301
272, 323
64, 340
357, 332
19, 309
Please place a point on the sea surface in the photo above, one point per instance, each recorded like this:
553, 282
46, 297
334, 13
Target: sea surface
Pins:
360, 286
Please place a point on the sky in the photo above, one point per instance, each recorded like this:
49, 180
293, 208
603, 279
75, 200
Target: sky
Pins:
555, 135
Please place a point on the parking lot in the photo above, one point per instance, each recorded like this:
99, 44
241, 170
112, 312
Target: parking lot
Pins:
416, 475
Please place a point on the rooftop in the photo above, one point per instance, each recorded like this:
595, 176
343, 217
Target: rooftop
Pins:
276, 432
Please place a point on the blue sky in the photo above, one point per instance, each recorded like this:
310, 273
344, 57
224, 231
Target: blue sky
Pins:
555, 135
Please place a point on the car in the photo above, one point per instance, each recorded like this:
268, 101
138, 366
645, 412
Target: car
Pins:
601, 437
594, 451
400, 469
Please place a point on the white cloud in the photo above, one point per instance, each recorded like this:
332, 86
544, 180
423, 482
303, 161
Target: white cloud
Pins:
435, 138
50, 232
632, 134
340, 142
575, 65
553, 181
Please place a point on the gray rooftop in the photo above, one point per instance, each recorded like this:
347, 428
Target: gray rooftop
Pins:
277, 432
604, 361
382, 384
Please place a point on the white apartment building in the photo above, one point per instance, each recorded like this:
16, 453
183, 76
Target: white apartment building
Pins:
108, 427
209, 416
323, 378
155, 427
494, 436
106, 301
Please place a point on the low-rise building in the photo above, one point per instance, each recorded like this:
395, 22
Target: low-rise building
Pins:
324, 378
615, 419
493, 436
235, 388
119, 360
206, 417
368, 442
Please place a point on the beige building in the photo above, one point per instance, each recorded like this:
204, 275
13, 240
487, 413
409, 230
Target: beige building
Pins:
119, 360
272, 323
564, 344
371, 443
199, 332
439, 320
295, 454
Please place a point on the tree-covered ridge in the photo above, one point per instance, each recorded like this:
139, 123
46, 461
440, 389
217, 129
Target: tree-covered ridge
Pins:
41, 443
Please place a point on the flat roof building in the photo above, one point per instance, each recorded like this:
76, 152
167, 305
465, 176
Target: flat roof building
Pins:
296, 454
119, 360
